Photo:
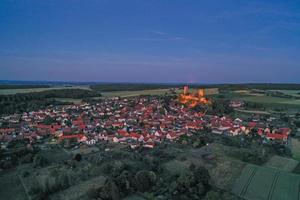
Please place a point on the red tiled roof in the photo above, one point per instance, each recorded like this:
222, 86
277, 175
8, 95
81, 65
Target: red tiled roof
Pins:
284, 130
134, 135
277, 136
252, 124
260, 131
78, 136
6, 130
43, 126
123, 133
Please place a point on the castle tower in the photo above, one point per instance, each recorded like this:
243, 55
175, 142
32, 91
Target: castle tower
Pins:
201, 92
185, 90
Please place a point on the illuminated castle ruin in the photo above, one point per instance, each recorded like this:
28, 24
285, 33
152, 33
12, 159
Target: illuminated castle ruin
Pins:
196, 98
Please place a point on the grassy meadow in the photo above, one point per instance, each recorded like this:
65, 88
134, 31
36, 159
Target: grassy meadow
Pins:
267, 101
137, 93
29, 90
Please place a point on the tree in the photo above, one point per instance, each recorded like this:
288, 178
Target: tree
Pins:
49, 120
221, 106
78, 157
297, 123
144, 180
39, 161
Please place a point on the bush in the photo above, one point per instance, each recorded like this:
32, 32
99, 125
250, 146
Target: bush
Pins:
39, 161
144, 180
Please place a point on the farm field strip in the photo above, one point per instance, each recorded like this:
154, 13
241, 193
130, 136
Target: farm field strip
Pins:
29, 90
272, 101
296, 148
264, 183
295, 93
282, 163
261, 112
137, 93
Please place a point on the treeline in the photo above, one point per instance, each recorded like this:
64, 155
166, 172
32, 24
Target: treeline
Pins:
259, 86
5, 86
16, 105
25, 102
145, 86
130, 87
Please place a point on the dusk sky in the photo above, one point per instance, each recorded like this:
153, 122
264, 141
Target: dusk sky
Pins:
190, 41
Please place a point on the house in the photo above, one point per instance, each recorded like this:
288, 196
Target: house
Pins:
123, 133
79, 137
277, 137
171, 136
149, 145
284, 131
236, 103
91, 142
118, 124
115, 139
134, 136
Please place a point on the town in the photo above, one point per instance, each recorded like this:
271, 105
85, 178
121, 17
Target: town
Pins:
149, 100
137, 121
84, 148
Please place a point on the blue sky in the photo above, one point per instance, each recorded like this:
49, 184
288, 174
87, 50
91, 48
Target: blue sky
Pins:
191, 41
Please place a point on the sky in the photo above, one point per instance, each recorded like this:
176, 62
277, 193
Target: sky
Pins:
155, 41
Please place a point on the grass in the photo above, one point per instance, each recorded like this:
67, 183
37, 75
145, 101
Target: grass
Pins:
296, 148
176, 167
253, 111
262, 183
282, 163
55, 155
267, 101
137, 93
295, 93
143, 92
11, 187
80, 191
70, 100
28, 90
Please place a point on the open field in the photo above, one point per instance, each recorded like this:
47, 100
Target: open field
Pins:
55, 155
137, 93
28, 90
261, 98
271, 100
11, 187
248, 93
282, 163
80, 191
143, 92
296, 148
70, 100
266, 183
295, 93
261, 112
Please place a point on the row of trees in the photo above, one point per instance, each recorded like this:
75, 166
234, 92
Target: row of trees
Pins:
24, 102
130, 87
19, 86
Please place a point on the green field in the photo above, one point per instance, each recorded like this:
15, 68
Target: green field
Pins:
79, 192
12, 188
253, 111
28, 90
264, 183
69, 100
296, 148
295, 93
271, 100
282, 163
137, 93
